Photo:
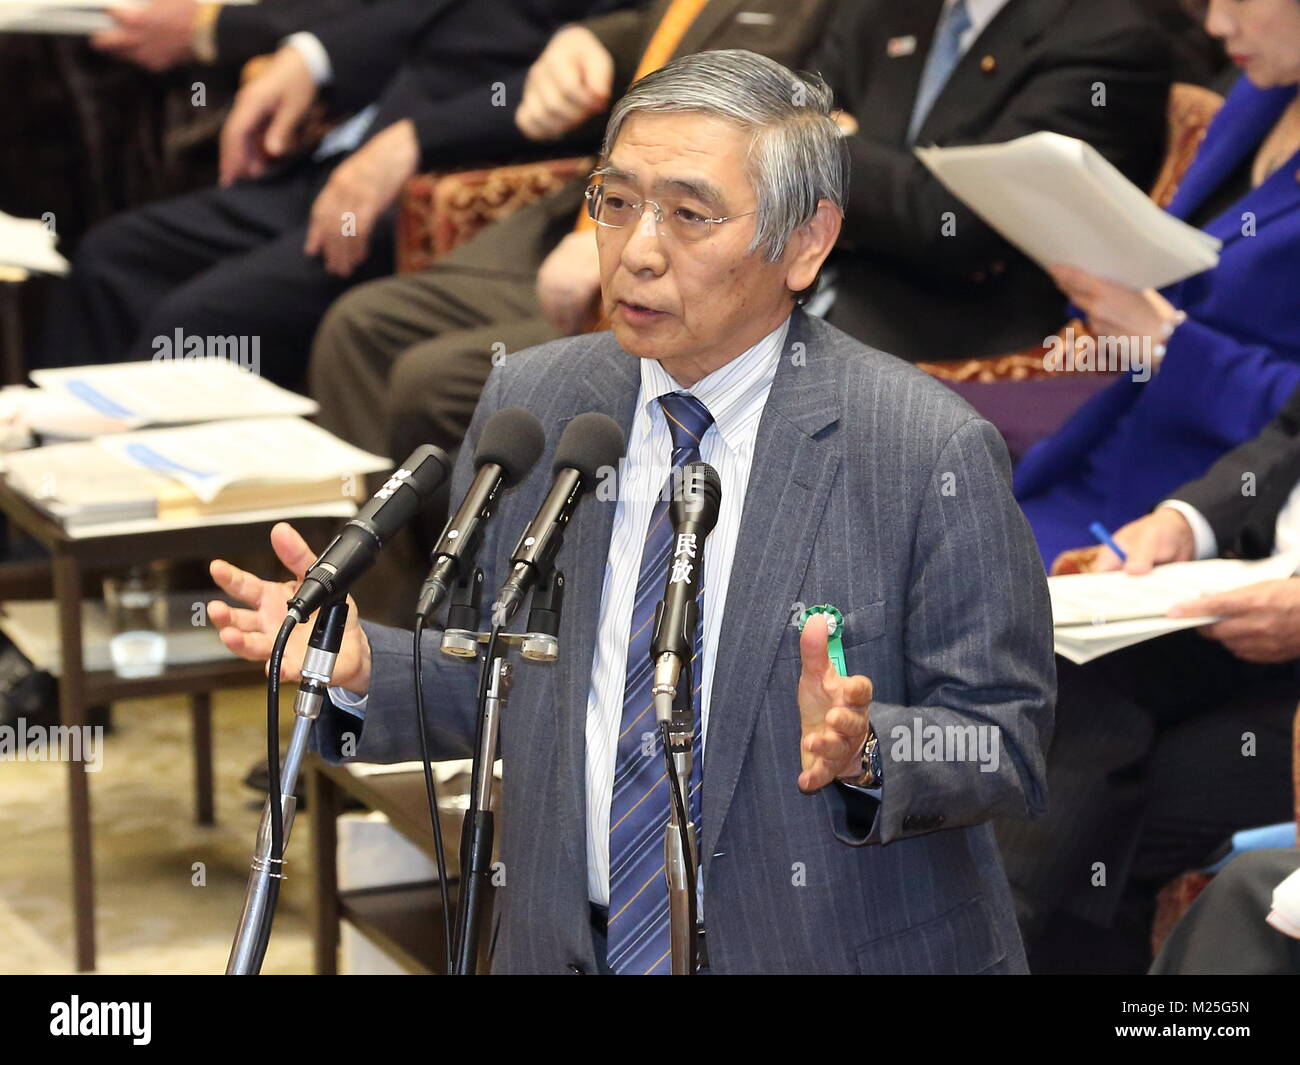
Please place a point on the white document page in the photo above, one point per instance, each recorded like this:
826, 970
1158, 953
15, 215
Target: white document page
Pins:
1097, 613
26, 243
1058, 200
213, 455
172, 392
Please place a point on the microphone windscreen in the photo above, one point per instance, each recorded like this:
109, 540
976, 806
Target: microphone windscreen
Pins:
700, 497
512, 439
592, 442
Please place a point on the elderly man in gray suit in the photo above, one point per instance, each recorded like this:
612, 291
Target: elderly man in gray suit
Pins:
844, 818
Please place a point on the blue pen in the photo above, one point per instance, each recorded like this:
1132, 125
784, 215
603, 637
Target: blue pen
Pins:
1099, 531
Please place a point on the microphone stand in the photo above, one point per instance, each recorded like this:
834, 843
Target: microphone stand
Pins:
259, 909
674, 713
539, 644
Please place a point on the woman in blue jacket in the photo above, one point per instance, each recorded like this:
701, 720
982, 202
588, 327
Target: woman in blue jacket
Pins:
1231, 335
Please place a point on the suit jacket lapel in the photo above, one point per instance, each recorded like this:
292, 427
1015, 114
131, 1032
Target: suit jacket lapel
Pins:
1240, 126
1006, 39
1236, 133
899, 77
1277, 194
611, 389
791, 479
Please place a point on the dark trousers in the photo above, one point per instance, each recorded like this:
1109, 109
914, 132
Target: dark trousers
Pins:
219, 262
402, 361
1160, 753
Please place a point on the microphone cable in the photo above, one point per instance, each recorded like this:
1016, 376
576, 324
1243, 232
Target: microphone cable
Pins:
431, 792
484, 677
675, 788
276, 859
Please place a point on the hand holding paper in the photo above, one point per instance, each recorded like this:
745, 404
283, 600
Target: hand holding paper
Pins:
1259, 623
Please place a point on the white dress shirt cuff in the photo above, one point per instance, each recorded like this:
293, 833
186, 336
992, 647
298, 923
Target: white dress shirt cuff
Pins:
1207, 544
349, 701
313, 54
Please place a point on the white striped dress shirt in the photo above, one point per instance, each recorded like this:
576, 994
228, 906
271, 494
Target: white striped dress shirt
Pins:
735, 396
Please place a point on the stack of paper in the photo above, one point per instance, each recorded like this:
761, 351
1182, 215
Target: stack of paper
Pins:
82, 401
1097, 613
211, 468
1060, 202
28, 244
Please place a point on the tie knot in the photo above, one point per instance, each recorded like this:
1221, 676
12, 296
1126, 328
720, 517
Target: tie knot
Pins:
688, 419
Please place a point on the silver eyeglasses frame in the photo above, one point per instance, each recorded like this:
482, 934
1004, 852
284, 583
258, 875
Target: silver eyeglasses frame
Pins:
593, 196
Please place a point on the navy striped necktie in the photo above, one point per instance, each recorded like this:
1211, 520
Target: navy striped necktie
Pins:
638, 813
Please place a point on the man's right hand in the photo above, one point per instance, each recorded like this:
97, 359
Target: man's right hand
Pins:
267, 116
571, 81
251, 633
1162, 536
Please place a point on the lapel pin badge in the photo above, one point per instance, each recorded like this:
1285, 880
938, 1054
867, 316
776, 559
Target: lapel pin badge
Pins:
988, 64
898, 47
834, 633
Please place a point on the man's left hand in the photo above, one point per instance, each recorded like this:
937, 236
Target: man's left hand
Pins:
833, 711
1260, 623
359, 191
158, 36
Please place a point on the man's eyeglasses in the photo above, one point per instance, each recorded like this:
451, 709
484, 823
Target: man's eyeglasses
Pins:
613, 208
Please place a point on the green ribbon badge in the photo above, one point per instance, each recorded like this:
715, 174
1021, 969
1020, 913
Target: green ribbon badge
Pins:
834, 633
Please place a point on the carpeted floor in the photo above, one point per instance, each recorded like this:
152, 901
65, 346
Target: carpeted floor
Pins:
152, 915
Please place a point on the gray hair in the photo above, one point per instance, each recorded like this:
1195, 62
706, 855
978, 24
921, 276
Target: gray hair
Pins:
797, 156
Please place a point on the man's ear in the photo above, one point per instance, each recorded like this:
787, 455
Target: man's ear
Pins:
810, 244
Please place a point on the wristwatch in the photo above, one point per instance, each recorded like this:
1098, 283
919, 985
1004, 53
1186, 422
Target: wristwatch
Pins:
870, 776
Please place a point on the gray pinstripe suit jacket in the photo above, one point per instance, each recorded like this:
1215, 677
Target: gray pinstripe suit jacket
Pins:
873, 488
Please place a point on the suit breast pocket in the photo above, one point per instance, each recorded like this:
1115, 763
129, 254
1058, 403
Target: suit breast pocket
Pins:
861, 625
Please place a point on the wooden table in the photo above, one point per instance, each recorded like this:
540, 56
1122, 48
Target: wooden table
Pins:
403, 920
70, 560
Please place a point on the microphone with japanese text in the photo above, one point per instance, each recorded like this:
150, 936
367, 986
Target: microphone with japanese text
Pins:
694, 506
354, 548
694, 512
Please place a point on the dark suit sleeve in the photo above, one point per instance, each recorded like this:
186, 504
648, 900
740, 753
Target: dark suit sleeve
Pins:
243, 31
897, 208
1242, 494
475, 125
366, 47
978, 647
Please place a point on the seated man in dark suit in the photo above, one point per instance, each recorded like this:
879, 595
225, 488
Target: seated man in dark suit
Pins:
917, 273
720, 194
264, 254
1165, 749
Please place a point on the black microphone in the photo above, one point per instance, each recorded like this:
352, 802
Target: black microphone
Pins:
589, 444
355, 546
508, 448
694, 512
